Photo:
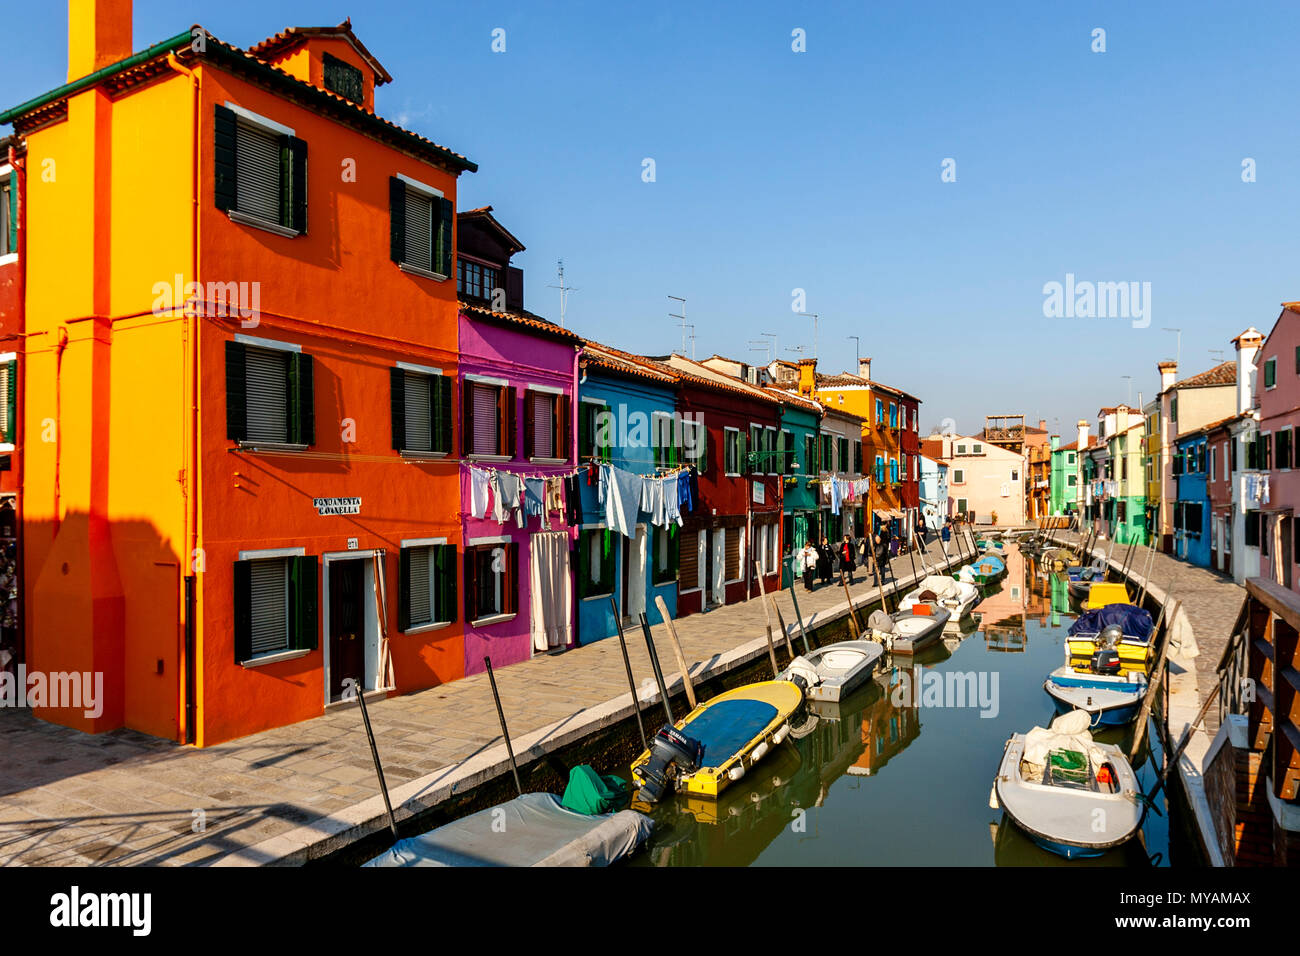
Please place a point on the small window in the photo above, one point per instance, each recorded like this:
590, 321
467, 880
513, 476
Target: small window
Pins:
421, 411
8, 216
269, 396
427, 586
1252, 529
1282, 448
261, 172
810, 454
1270, 373
275, 602
595, 431
958, 476
597, 562
344, 79
787, 452
977, 449
732, 451
695, 444
476, 281
772, 451
488, 413
666, 541
420, 229
1015, 474
490, 575
546, 417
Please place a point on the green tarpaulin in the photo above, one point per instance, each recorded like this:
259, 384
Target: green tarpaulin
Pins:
589, 792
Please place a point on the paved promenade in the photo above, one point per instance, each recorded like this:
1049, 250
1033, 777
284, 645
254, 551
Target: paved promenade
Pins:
286, 795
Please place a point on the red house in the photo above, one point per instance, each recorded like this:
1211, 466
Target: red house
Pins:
736, 522
12, 169
909, 447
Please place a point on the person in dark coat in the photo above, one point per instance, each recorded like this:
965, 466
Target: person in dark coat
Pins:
883, 569
847, 563
825, 558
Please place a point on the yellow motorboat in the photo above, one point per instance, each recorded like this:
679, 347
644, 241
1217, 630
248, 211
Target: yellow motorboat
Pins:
1101, 594
716, 743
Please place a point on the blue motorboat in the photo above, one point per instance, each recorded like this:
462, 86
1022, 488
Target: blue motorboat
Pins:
1110, 700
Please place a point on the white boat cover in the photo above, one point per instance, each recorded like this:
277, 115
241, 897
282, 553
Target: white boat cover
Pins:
532, 830
942, 586
1067, 732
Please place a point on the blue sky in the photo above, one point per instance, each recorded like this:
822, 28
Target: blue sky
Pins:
820, 171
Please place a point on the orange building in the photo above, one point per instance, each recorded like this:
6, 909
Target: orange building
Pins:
215, 515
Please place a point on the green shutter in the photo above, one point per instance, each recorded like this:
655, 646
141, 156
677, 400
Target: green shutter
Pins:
303, 589
225, 145
396, 219
302, 413
442, 414
13, 216
403, 589
295, 183
397, 406
444, 558
243, 611
443, 252
236, 393
11, 402
584, 563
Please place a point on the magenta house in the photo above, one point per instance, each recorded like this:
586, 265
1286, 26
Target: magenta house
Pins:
518, 374
1271, 486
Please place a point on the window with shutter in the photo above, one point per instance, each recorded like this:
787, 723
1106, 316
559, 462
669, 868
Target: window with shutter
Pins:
269, 592
688, 566
418, 393
267, 384
732, 451
8, 223
419, 230
597, 557
421, 587
543, 415
344, 79
258, 173
490, 580
8, 403
487, 426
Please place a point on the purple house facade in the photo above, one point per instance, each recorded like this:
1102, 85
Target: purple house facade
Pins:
517, 378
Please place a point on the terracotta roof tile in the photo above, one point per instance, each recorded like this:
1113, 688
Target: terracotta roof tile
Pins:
524, 318
1222, 374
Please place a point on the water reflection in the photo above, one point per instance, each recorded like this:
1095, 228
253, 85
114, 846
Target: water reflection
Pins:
860, 783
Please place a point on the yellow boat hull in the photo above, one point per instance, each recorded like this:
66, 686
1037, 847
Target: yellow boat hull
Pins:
709, 781
1102, 594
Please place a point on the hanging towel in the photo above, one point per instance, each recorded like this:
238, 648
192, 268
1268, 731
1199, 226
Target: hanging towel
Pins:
620, 492
535, 499
511, 497
836, 492
672, 500
498, 504
478, 493
573, 500
685, 493
549, 610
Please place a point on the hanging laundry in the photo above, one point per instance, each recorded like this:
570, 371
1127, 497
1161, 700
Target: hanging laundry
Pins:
836, 496
511, 497
573, 500
672, 500
685, 494
479, 499
535, 500
620, 493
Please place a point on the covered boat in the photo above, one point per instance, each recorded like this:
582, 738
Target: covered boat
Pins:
535, 829
833, 672
909, 631
986, 569
955, 597
1052, 781
1125, 627
717, 742
1109, 700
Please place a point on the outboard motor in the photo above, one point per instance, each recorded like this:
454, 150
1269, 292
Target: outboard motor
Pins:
1105, 661
672, 753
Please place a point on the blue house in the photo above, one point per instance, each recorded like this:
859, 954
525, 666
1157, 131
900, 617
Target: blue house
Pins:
934, 492
1192, 508
627, 417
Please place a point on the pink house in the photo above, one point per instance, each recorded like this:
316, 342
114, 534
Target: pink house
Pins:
518, 375
1271, 493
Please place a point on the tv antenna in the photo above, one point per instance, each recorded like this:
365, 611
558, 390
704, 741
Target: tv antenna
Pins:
681, 318
564, 291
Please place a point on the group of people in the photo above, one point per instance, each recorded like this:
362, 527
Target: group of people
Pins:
819, 563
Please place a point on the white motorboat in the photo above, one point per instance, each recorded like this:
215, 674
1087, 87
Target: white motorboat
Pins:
911, 630
833, 672
955, 597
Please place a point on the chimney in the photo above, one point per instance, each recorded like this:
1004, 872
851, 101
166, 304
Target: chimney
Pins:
1121, 419
1042, 424
99, 34
864, 368
807, 376
1248, 344
1083, 435
1168, 372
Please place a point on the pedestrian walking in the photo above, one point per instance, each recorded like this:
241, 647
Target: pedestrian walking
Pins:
847, 564
808, 564
824, 559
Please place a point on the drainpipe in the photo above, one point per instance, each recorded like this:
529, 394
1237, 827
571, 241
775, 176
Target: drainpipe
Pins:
189, 485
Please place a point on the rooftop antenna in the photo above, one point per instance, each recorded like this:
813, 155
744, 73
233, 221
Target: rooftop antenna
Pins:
775, 351
857, 352
564, 291
762, 345
682, 317
692, 338
1218, 354
814, 317
1129, 403
1178, 356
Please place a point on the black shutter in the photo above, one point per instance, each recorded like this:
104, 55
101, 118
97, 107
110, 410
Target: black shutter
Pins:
471, 584
397, 391
396, 219
442, 417
530, 425
444, 557
296, 185
444, 250
563, 423
467, 412
403, 589
510, 438
584, 563
225, 146
243, 608
303, 588
302, 411
236, 393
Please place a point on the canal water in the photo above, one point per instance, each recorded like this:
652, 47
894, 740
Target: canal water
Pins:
900, 774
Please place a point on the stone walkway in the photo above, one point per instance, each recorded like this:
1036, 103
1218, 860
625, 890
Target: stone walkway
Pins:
123, 798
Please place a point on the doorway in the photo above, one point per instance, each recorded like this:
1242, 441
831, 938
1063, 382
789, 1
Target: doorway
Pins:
717, 567
351, 624
634, 575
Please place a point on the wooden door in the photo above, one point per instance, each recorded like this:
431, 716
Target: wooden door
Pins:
347, 625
